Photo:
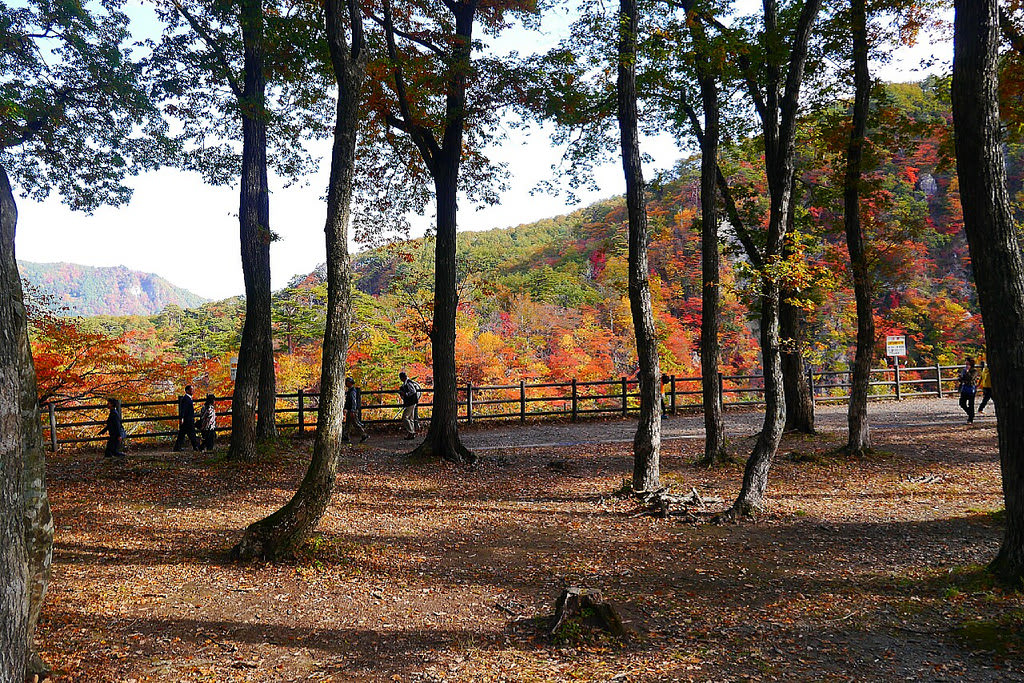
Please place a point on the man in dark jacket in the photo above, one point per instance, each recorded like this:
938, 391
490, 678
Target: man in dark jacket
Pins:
114, 430
187, 424
352, 406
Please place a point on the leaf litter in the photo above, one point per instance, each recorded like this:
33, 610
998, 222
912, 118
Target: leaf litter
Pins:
860, 569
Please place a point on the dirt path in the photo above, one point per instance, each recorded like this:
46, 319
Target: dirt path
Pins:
830, 418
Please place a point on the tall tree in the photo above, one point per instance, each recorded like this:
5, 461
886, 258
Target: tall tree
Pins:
424, 94
76, 120
647, 442
702, 60
14, 568
212, 67
278, 534
859, 437
996, 253
711, 269
774, 88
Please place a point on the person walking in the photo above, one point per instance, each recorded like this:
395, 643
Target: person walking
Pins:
114, 429
352, 405
410, 394
968, 382
208, 423
986, 387
186, 421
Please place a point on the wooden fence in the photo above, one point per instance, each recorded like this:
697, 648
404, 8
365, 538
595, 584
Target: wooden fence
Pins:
74, 425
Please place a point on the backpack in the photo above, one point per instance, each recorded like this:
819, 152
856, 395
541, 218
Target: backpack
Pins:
410, 393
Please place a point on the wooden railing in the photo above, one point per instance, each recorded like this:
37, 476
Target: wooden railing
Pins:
73, 425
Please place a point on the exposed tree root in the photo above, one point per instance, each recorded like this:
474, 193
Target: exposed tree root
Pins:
660, 503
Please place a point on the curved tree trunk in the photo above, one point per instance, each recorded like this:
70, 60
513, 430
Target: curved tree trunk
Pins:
14, 563
995, 252
711, 290
859, 439
442, 438
647, 442
255, 357
755, 476
279, 534
779, 120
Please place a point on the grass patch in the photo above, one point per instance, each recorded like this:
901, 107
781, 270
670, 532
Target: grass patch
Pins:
321, 553
995, 517
813, 458
1003, 635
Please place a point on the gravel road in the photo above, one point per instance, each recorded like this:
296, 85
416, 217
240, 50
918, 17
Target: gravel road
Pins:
739, 423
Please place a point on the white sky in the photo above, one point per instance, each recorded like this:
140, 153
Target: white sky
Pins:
187, 232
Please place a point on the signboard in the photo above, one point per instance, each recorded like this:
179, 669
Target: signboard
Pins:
234, 367
895, 345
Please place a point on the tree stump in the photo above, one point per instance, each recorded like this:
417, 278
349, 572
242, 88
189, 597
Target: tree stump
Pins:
585, 607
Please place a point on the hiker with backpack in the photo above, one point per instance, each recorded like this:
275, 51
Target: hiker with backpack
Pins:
410, 394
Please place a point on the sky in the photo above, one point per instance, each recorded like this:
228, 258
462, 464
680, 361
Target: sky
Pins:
187, 232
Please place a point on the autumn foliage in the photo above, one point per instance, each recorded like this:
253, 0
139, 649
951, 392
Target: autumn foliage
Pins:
546, 302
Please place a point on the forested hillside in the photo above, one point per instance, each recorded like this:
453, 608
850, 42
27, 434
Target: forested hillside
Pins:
548, 300
90, 290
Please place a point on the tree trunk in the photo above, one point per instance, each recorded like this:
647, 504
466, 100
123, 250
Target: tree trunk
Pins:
266, 425
647, 442
711, 290
755, 476
14, 566
859, 439
442, 438
779, 120
279, 534
38, 520
799, 402
255, 357
996, 256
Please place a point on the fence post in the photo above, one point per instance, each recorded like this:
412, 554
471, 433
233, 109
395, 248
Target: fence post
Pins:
938, 379
810, 384
575, 400
721, 392
625, 398
672, 390
522, 400
302, 416
53, 427
469, 403
897, 366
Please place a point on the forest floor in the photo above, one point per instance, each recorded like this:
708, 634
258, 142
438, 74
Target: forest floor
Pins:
861, 569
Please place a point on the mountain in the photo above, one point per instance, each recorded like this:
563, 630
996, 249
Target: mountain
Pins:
90, 290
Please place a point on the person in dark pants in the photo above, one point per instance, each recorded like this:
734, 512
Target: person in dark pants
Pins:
352, 401
114, 430
968, 381
187, 421
208, 423
986, 387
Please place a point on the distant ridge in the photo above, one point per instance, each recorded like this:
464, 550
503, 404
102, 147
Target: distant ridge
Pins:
116, 290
